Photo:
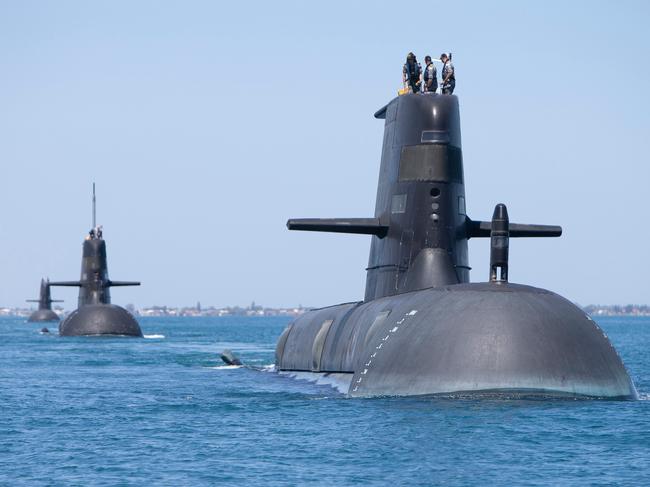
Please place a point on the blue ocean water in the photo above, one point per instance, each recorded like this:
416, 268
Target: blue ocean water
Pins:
164, 411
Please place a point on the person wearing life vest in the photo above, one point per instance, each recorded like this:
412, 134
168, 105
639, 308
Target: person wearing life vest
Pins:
448, 75
430, 76
412, 72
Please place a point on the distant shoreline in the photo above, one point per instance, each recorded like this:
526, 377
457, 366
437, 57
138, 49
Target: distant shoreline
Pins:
196, 311
255, 310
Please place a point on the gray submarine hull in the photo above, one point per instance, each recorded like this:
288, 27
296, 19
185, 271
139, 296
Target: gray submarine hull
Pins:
479, 337
100, 319
422, 327
41, 315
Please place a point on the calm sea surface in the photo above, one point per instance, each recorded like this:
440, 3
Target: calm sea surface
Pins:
162, 410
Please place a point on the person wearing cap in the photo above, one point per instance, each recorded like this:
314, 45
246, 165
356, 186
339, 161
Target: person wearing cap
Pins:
448, 75
430, 76
411, 73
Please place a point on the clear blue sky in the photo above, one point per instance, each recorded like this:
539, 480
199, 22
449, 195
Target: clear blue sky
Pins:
207, 124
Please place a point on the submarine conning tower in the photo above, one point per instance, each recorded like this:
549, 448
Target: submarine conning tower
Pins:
94, 273
420, 228
94, 285
421, 197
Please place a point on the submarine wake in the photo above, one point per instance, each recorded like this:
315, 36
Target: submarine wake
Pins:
338, 382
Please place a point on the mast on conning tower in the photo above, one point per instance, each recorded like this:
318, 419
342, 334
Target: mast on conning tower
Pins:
96, 231
94, 208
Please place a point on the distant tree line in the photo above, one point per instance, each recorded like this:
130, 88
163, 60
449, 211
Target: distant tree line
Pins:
617, 309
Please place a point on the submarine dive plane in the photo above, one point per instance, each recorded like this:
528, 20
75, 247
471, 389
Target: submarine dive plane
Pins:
422, 327
95, 314
44, 311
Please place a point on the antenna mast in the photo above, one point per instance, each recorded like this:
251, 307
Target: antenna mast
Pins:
94, 208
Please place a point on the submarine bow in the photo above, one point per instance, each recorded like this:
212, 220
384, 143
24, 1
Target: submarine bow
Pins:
422, 327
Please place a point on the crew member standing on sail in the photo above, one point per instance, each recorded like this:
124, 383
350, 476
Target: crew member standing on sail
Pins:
411, 73
430, 76
448, 75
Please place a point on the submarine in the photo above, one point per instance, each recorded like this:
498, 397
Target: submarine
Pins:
95, 315
44, 311
423, 328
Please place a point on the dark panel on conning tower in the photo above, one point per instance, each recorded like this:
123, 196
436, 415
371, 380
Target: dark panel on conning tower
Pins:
431, 162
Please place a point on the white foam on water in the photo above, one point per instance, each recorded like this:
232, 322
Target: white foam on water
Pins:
339, 382
644, 396
226, 367
154, 336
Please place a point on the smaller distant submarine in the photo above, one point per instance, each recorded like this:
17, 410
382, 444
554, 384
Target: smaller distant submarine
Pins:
44, 311
95, 314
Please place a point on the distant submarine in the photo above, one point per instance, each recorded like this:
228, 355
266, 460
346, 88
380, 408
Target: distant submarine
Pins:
44, 311
95, 314
423, 328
